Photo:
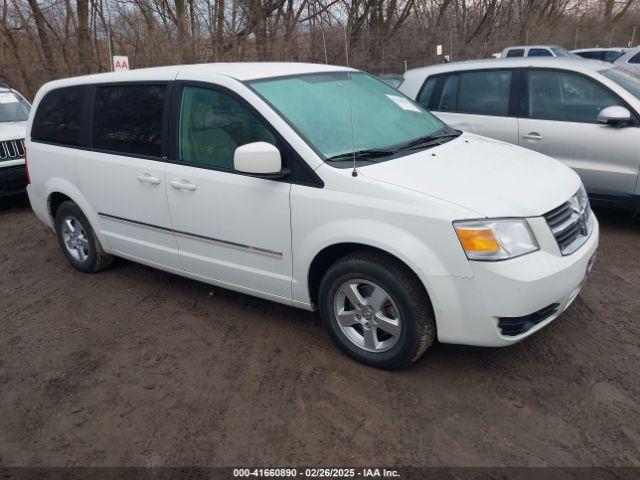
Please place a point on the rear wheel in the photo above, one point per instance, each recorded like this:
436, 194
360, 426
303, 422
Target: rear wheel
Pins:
78, 241
376, 310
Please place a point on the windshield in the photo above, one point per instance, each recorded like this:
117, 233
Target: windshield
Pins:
561, 52
627, 80
317, 105
13, 108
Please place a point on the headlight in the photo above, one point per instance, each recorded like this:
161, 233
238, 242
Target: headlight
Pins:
495, 239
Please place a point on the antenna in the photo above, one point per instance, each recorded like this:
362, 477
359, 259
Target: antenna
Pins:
354, 172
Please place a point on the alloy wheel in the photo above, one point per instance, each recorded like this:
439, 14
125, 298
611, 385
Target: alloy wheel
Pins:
367, 315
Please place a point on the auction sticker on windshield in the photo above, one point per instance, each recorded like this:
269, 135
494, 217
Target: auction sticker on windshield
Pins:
403, 103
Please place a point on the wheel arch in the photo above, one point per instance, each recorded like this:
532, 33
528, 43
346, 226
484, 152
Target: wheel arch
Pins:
54, 201
60, 190
330, 254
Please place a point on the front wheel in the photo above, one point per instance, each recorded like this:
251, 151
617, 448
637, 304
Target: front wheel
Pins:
376, 310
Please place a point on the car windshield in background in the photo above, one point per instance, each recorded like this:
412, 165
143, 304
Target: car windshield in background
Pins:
627, 80
323, 107
561, 52
13, 108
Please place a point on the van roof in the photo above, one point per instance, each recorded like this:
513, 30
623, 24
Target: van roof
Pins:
241, 71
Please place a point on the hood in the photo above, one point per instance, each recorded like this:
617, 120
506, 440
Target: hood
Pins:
493, 178
12, 130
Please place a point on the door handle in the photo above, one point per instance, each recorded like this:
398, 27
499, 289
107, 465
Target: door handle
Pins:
148, 178
532, 136
182, 185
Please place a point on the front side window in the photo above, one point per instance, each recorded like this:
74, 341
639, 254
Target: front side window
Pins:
485, 92
213, 124
566, 96
128, 119
516, 52
58, 117
539, 52
13, 108
340, 112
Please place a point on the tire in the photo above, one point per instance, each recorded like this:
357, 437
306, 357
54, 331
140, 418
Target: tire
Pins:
74, 230
404, 325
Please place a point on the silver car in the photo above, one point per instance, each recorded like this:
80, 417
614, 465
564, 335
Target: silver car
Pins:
608, 54
583, 112
630, 60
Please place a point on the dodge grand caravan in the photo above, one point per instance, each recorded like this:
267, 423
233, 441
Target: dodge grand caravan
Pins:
318, 187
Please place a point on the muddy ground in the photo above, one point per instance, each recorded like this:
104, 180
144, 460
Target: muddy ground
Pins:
133, 366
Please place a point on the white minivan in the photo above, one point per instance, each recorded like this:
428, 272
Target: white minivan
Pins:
315, 186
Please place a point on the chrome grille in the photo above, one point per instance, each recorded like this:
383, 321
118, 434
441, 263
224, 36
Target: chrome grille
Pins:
571, 223
11, 149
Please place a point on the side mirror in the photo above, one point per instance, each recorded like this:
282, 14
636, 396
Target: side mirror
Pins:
258, 158
615, 116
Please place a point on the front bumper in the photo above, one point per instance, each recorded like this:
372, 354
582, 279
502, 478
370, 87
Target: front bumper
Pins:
13, 180
468, 310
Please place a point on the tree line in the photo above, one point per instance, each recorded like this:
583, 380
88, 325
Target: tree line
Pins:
48, 39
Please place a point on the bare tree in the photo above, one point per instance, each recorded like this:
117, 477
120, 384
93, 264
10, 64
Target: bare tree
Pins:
45, 43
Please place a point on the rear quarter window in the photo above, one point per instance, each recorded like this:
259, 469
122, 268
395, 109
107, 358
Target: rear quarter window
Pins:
58, 117
426, 92
634, 59
516, 52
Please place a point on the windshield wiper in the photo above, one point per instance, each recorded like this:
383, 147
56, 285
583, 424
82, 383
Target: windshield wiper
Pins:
372, 153
429, 140
362, 154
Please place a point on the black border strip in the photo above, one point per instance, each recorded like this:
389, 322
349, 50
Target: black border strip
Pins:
250, 248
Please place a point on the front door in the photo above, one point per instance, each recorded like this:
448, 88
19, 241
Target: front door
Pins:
230, 227
562, 122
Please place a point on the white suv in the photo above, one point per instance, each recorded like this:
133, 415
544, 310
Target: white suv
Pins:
318, 187
14, 112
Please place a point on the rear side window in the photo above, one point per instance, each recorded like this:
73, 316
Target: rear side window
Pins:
516, 52
539, 52
58, 117
128, 119
424, 97
485, 92
213, 124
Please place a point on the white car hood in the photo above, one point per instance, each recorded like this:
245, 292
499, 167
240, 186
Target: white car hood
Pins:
493, 178
12, 130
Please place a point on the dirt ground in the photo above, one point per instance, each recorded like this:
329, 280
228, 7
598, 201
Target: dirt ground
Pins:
133, 366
